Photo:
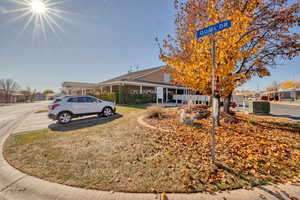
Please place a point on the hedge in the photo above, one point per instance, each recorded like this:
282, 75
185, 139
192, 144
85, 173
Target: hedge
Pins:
106, 96
122, 97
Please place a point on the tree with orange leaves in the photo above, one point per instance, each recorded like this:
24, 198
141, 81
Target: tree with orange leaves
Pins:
289, 84
260, 33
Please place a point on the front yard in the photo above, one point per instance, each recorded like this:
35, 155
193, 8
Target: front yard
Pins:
121, 155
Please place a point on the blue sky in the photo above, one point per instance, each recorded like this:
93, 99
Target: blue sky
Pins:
100, 39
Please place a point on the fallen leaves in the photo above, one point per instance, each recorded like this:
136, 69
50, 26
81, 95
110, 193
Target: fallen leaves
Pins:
249, 154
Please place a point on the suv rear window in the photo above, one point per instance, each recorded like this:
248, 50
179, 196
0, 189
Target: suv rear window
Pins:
56, 100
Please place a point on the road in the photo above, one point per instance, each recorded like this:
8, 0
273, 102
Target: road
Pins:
290, 111
11, 115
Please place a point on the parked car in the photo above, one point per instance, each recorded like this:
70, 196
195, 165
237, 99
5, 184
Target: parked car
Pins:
65, 109
233, 104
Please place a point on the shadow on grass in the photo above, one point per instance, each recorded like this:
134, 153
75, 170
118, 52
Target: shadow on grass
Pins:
231, 171
283, 126
140, 106
294, 117
287, 116
295, 128
284, 116
83, 123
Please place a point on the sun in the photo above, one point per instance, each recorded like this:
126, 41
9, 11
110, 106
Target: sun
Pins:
42, 15
38, 7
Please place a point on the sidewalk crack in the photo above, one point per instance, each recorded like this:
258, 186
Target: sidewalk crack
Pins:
14, 182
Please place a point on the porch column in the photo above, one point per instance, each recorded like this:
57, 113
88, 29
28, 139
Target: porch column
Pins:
141, 89
183, 96
81, 91
111, 90
176, 96
294, 96
167, 96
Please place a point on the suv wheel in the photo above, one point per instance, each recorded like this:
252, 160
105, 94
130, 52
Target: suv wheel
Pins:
64, 118
107, 111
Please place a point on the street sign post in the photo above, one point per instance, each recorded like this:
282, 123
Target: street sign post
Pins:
213, 29
201, 33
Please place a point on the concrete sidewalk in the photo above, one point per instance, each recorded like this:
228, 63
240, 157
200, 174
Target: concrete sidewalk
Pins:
15, 185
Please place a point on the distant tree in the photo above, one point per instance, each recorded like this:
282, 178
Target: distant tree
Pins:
8, 87
261, 33
29, 94
33, 93
48, 92
289, 84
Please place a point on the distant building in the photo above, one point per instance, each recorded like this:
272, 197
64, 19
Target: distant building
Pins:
12, 98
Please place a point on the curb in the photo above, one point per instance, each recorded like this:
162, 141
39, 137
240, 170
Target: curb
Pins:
141, 121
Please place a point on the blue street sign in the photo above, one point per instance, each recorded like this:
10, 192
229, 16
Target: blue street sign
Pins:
213, 28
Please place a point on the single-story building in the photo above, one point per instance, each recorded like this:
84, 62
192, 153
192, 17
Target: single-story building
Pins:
13, 97
280, 95
139, 82
283, 95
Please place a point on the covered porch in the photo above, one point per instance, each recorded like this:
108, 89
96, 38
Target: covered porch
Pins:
140, 88
134, 88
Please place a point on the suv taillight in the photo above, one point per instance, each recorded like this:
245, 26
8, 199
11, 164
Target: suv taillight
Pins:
54, 106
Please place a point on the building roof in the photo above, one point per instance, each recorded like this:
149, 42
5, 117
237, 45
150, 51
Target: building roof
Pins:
133, 75
131, 78
79, 85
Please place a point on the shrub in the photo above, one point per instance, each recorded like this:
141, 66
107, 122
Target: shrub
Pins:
107, 97
252, 121
140, 98
123, 97
295, 125
155, 111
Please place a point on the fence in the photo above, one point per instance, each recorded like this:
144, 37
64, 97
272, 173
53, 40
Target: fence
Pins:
195, 98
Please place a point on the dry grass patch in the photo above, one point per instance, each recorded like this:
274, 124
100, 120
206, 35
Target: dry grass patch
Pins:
118, 155
155, 111
41, 111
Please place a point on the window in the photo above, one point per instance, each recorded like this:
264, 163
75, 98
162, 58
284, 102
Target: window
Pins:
73, 100
90, 100
82, 100
167, 78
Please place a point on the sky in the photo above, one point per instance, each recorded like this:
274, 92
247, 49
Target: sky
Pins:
95, 40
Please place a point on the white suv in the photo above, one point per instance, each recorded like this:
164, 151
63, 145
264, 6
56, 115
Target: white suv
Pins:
70, 107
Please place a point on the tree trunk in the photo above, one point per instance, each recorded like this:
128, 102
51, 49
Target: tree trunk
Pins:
226, 107
219, 112
216, 113
210, 101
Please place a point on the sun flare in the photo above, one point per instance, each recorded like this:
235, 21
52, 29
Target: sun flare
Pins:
39, 7
42, 15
